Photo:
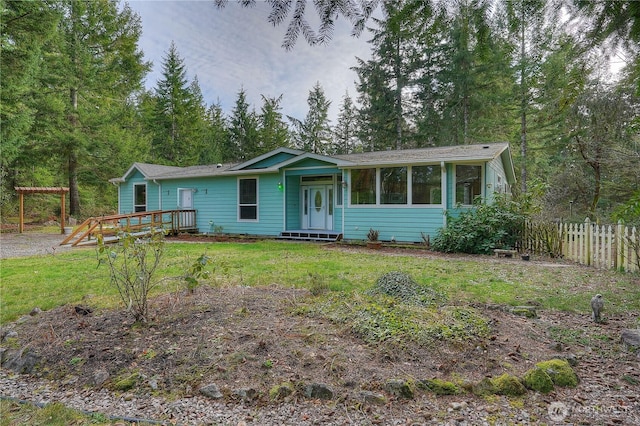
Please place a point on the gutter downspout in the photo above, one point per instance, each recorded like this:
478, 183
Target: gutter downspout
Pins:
159, 194
443, 190
343, 187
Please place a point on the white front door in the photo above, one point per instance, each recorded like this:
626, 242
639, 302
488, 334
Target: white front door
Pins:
319, 207
185, 202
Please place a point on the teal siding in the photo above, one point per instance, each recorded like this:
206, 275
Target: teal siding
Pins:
270, 161
293, 202
126, 193
403, 224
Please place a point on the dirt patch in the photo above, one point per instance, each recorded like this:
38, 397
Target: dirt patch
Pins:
241, 337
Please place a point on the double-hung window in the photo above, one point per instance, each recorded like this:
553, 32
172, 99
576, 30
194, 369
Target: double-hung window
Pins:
248, 199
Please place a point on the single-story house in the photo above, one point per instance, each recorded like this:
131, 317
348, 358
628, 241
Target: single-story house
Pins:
291, 193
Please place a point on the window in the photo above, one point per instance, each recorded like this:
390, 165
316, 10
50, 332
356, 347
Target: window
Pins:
248, 199
393, 185
468, 184
140, 197
426, 185
363, 186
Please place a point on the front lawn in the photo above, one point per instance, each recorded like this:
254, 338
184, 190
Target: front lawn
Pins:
75, 278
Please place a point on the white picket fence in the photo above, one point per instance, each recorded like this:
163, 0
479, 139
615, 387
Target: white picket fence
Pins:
601, 246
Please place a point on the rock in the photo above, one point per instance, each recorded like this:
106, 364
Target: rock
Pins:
560, 372
246, 394
556, 346
22, 361
319, 391
538, 380
508, 385
281, 391
399, 388
8, 334
457, 406
631, 338
571, 359
83, 310
484, 387
100, 376
211, 390
372, 398
35, 311
439, 387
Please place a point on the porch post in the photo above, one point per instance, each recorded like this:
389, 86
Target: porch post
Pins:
21, 225
443, 192
62, 211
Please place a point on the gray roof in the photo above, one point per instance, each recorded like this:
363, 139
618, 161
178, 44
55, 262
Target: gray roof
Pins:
459, 153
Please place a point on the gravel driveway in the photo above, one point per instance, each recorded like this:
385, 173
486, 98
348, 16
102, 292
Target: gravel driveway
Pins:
30, 244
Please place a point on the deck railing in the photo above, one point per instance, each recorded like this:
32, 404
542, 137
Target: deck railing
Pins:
171, 221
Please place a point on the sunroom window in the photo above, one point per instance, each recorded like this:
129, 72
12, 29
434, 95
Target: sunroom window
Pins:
363, 186
426, 185
393, 185
468, 184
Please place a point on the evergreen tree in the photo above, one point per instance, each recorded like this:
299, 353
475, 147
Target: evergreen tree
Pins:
345, 140
216, 136
242, 143
87, 77
178, 115
314, 133
273, 132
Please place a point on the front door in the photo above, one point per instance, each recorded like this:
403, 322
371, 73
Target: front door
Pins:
317, 207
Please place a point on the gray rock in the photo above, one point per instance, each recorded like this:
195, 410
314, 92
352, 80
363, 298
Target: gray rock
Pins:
100, 376
371, 398
318, 390
571, 359
399, 388
631, 337
35, 311
8, 334
22, 361
246, 394
211, 390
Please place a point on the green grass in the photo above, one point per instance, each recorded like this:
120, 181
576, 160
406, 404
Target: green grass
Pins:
74, 277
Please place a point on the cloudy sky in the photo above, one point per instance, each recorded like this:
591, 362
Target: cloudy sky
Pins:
233, 48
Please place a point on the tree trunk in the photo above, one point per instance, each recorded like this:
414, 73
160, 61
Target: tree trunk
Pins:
72, 166
523, 108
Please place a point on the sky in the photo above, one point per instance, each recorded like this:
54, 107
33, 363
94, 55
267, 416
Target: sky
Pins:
233, 48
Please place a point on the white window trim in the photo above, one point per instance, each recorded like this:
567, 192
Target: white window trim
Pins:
146, 197
455, 182
409, 204
257, 219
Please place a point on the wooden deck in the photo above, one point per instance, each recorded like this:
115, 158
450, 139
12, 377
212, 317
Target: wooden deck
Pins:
109, 227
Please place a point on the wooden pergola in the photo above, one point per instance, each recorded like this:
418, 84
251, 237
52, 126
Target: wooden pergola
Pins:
21, 190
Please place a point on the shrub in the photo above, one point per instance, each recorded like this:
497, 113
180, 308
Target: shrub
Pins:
132, 265
481, 229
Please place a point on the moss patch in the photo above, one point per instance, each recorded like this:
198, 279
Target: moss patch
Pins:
560, 372
508, 385
439, 387
538, 380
